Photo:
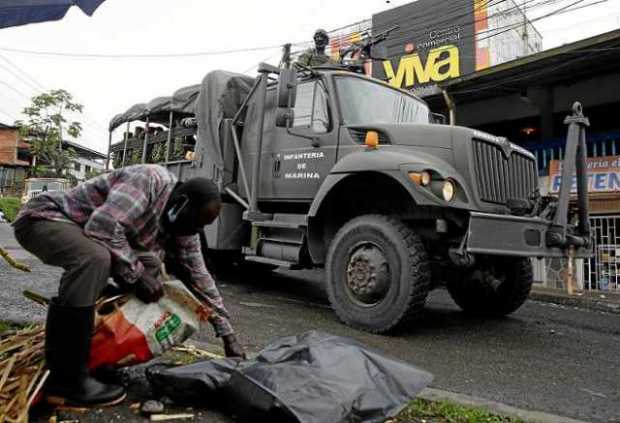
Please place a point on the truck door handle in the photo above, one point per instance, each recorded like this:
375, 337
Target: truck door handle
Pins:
276, 167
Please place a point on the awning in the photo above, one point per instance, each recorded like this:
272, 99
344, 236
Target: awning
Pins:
22, 12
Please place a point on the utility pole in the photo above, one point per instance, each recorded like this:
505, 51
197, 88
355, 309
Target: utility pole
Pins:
526, 42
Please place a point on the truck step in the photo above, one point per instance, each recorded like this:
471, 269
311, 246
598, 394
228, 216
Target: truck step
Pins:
274, 262
276, 224
278, 220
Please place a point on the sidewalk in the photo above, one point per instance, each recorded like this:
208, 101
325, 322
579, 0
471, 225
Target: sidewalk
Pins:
592, 300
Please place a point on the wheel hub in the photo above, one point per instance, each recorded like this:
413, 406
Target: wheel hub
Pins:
368, 274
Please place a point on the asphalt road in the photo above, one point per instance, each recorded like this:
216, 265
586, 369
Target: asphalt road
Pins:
550, 358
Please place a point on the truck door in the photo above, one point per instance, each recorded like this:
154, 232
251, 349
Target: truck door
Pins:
302, 156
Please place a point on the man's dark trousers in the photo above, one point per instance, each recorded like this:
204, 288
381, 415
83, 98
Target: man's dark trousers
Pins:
87, 263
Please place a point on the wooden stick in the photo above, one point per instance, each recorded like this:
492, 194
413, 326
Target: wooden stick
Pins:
164, 417
12, 262
37, 298
7, 372
33, 395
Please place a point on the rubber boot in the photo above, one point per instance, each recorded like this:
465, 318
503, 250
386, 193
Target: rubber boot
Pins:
68, 334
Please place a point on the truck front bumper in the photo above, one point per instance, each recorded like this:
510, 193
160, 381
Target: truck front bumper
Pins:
507, 235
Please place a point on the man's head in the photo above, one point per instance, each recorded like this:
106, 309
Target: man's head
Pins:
192, 205
321, 39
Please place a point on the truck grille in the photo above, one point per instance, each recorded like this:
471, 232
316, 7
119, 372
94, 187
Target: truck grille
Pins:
501, 179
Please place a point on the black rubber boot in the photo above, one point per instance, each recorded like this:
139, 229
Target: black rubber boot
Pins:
68, 334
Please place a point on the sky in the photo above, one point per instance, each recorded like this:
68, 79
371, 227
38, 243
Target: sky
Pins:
107, 86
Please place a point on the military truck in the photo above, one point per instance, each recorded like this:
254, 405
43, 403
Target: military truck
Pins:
329, 168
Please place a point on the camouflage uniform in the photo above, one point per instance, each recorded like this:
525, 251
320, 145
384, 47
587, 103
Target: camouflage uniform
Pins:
312, 57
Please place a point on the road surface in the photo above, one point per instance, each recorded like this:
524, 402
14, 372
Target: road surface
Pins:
550, 358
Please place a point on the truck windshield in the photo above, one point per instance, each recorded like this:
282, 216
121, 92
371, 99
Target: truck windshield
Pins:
365, 102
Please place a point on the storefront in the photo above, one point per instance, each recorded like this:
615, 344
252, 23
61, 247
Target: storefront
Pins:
602, 271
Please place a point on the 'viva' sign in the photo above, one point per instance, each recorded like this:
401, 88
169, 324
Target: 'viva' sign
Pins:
442, 63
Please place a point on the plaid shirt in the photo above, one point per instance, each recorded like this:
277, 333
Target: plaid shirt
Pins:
123, 209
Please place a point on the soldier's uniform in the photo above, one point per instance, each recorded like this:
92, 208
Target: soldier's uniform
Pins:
312, 57
316, 56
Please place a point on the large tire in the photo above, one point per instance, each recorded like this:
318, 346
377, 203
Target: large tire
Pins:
495, 287
378, 275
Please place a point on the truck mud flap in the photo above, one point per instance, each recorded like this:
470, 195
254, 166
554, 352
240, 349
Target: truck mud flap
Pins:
494, 234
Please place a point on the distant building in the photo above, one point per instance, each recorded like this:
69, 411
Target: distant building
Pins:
14, 160
87, 162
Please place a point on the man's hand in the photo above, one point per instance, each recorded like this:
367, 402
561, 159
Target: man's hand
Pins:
149, 288
232, 347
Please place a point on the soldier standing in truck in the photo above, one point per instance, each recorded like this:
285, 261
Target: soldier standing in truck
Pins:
316, 56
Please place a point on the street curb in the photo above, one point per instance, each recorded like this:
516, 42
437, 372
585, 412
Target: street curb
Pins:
582, 301
431, 394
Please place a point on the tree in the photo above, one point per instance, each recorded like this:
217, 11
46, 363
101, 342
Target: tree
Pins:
44, 128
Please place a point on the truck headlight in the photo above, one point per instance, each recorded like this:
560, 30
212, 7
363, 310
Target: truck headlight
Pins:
421, 178
448, 190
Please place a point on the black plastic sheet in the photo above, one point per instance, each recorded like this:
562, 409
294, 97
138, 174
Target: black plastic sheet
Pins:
310, 378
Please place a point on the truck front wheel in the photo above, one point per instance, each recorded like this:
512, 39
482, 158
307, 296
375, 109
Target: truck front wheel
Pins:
378, 274
496, 286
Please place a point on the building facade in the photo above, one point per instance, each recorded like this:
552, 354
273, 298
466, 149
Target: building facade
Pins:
14, 160
88, 162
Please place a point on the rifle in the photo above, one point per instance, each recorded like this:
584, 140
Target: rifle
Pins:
364, 47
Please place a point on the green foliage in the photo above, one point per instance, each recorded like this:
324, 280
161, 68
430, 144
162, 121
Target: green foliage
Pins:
10, 206
44, 127
93, 173
158, 153
178, 152
421, 410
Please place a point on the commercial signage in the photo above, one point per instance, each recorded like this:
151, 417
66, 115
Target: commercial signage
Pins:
433, 43
603, 175
437, 40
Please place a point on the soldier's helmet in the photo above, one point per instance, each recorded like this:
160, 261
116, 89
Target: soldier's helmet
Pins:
321, 37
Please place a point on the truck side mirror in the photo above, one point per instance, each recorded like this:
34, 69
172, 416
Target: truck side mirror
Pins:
287, 88
285, 117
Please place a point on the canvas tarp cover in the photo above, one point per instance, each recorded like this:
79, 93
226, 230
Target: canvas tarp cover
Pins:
159, 109
221, 95
184, 99
310, 378
136, 112
115, 122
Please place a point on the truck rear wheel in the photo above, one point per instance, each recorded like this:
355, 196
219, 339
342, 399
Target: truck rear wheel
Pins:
378, 275
495, 287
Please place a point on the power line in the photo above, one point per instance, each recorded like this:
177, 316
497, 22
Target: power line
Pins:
137, 56
22, 73
494, 32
